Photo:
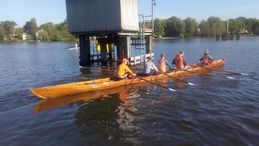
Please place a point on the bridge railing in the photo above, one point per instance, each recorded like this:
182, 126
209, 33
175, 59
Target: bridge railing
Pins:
139, 59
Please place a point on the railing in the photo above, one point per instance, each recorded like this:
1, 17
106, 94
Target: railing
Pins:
139, 59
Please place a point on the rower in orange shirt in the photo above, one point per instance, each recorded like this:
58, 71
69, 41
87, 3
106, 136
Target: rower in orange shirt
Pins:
123, 71
179, 61
163, 64
206, 58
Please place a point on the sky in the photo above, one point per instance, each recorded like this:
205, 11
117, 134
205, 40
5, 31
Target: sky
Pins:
54, 11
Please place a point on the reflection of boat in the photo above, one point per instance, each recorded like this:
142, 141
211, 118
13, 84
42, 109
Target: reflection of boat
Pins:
89, 96
106, 83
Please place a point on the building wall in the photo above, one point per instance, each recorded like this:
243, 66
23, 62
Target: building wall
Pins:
129, 15
99, 16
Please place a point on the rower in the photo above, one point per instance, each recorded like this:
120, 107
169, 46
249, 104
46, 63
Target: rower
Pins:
163, 64
179, 61
123, 71
206, 58
149, 67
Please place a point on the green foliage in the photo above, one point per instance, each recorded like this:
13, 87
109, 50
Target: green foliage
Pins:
9, 29
204, 28
171, 27
174, 27
46, 32
43, 35
255, 27
214, 24
19, 31
2, 32
250, 24
52, 32
31, 28
235, 25
63, 29
50, 29
159, 27
190, 27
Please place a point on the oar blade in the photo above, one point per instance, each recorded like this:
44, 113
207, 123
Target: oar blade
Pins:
231, 78
245, 74
173, 90
190, 83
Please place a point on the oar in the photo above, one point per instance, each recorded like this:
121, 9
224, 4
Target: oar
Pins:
228, 77
226, 71
186, 82
144, 80
173, 90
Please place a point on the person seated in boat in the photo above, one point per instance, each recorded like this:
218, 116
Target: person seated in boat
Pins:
206, 58
163, 64
149, 67
123, 71
179, 62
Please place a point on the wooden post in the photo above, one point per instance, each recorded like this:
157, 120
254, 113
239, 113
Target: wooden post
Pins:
149, 44
84, 51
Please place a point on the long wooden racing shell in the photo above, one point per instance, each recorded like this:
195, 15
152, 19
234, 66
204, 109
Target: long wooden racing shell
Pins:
105, 83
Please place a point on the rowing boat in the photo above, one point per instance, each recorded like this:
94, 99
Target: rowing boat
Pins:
121, 92
105, 83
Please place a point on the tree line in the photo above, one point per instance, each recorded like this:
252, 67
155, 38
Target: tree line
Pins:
171, 27
44, 32
189, 27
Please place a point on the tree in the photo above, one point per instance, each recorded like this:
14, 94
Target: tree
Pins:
9, 27
31, 28
235, 25
43, 35
19, 32
159, 27
65, 35
50, 29
2, 33
250, 24
255, 27
174, 27
204, 28
214, 23
190, 27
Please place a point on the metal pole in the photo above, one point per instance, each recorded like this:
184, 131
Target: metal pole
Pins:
152, 15
153, 3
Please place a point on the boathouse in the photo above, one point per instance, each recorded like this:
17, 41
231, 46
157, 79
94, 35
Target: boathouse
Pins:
108, 30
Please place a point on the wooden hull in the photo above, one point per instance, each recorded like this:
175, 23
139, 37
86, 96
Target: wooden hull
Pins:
101, 84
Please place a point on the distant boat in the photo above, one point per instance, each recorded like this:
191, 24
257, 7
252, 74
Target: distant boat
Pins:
75, 47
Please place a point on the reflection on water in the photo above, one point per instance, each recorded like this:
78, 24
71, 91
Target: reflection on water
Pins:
110, 119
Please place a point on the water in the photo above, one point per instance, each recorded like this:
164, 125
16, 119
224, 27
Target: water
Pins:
217, 111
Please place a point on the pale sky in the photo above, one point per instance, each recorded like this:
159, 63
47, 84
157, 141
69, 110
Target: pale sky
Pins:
54, 11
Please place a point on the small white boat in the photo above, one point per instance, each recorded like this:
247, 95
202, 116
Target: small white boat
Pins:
75, 47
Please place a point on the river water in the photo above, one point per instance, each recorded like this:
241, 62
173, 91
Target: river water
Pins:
217, 111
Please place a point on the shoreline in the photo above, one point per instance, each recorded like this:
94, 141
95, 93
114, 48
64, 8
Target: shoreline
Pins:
162, 38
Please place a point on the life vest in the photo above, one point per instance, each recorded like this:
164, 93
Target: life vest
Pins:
206, 59
179, 62
162, 65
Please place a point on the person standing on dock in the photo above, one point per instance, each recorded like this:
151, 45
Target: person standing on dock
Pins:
206, 58
149, 67
163, 64
123, 71
179, 61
